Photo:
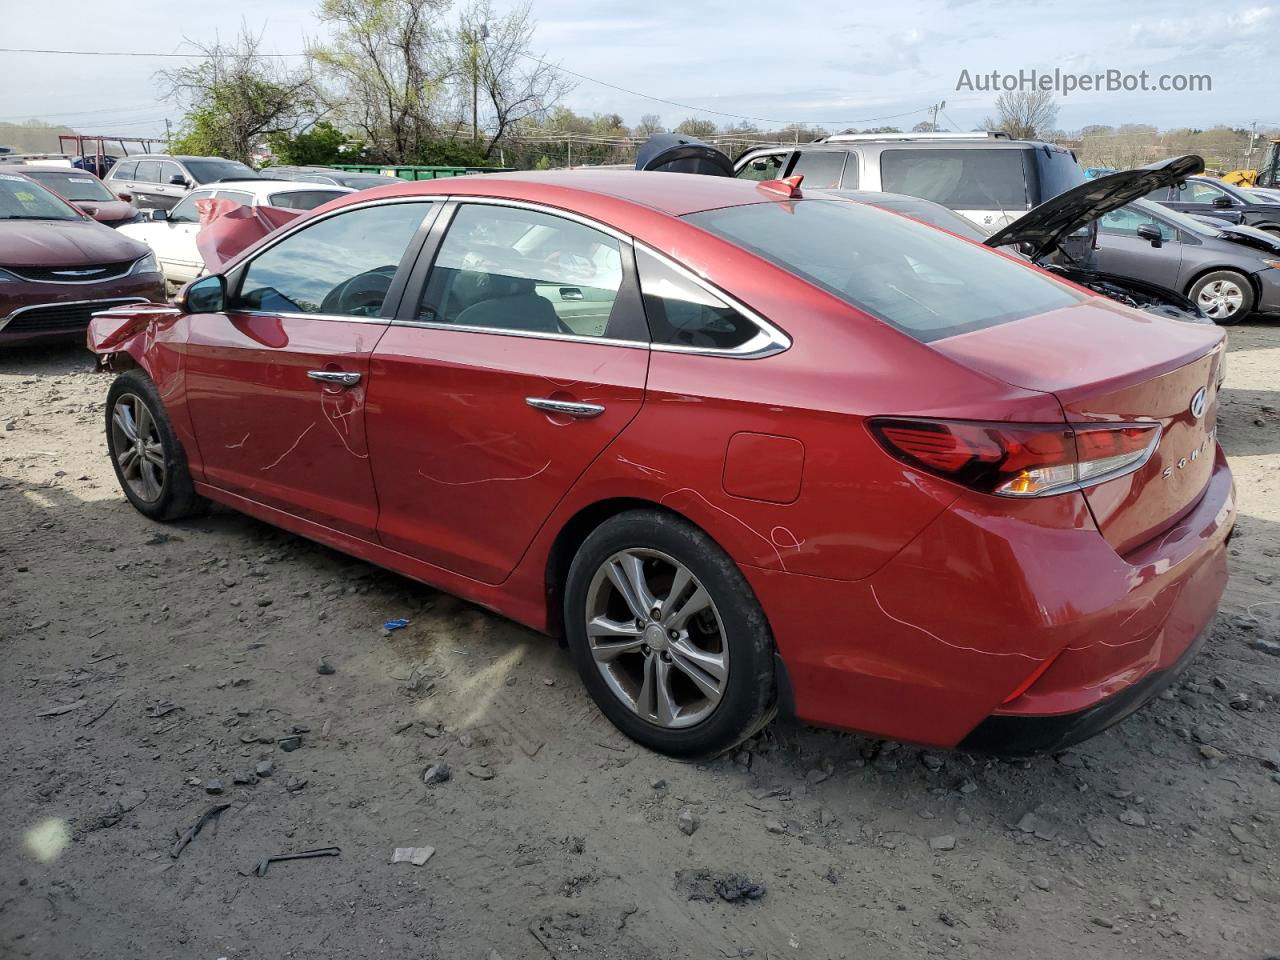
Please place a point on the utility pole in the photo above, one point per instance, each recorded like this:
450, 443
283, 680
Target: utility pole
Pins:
933, 121
168, 136
1253, 135
475, 80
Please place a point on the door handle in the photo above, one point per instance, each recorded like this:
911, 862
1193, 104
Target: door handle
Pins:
570, 293
583, 411
335, 376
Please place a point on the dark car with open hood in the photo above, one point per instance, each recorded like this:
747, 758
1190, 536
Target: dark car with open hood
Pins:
58, 266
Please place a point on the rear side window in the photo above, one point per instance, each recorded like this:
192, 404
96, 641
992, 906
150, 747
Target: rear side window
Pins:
960, 179
148, 171
682, 313
341, 266
926, 283
124, 170
302, 199
820, 168
1058, 171
767, 167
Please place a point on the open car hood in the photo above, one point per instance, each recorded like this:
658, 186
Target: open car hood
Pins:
673, 153
1044, 227
229, 227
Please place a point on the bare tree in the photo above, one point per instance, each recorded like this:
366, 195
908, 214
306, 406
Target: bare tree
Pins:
386, 70
495, 56
650, 124
234, 97
1025, 114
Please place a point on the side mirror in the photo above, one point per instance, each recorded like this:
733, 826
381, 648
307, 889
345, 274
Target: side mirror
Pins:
1222, 201
178, 180
159, 214
1149, 231
205, 295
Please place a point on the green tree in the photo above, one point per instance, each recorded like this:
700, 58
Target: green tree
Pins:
235, 98
696, 128
323, 144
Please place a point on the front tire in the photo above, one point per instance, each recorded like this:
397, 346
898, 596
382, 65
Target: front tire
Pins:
149, 462
1225, 296
667, 635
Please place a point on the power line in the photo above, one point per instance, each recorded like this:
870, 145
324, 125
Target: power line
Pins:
126, 53
527, 56
719, 113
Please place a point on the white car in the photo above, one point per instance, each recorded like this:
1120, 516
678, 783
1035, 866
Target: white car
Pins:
171, 234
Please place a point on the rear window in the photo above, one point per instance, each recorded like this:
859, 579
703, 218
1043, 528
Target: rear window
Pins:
72, 185
925, 282
959, 179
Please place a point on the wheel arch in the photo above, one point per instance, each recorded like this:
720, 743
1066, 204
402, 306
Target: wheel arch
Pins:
1196, 277
571, 536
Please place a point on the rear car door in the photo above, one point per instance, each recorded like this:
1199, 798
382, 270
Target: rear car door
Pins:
276, 385
1121, 251
119, 179
493, 391
145, 186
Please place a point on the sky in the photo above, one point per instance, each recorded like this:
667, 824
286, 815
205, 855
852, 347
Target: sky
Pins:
832, 64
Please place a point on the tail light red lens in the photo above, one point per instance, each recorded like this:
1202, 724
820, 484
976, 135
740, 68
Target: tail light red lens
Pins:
1018, 460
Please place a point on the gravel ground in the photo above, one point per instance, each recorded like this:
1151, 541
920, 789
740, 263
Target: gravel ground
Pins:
151, 673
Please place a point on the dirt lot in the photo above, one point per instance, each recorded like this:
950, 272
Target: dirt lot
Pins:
140, 663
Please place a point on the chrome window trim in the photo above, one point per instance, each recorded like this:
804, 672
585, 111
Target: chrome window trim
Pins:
547, 210
770, 339
530, 334
106, 305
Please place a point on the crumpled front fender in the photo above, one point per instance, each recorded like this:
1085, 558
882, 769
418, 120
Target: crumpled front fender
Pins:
129, 330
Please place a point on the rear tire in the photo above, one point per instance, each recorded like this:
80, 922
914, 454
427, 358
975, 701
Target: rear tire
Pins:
668, 636
1225, 296
150, 464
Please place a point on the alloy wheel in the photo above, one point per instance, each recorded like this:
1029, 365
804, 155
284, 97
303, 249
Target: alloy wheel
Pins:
1220, 299
657, 638
138, 447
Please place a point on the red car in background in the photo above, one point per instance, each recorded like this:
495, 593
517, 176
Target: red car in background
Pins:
745, 449
85, 192
57, 266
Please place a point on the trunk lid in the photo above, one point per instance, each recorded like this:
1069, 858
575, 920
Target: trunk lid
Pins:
1109, 364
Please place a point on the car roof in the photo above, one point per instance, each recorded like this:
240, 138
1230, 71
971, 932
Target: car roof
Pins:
263, 188
52, 168
844, 146
673, 194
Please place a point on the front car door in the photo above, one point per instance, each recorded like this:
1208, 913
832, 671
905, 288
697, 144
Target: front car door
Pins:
276, 385
493, 391
1121, 251
1205, 200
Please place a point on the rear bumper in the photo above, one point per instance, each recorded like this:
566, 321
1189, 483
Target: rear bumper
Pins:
937, 641
1016, 735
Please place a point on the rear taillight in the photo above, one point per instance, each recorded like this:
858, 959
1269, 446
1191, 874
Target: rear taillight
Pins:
1018, 460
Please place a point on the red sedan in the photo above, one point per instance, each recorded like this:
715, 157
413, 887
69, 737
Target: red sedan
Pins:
744, 450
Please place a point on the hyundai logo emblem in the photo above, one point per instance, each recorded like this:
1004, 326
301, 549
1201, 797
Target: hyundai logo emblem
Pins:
1197, 404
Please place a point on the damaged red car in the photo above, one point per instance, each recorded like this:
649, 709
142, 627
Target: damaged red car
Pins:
745, 448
